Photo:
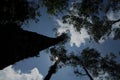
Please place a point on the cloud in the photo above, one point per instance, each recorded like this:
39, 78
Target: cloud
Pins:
113, 15
104, 76
77, 38
10, 74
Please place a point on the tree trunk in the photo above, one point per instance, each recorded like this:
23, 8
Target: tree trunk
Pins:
17, 44
51, 71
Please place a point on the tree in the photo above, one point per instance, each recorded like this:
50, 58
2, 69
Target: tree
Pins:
92, 15
90, 61
95, 65
94, 18
16, 43
58, 55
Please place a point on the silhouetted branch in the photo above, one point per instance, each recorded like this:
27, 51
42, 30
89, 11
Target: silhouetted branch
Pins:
51, 71
115, 21
88, 74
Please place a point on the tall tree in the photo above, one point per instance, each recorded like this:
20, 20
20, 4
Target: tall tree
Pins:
92, 16
90, 61
95, 65
58, 55
16, 43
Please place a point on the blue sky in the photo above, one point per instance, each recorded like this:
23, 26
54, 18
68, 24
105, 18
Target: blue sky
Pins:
36, 68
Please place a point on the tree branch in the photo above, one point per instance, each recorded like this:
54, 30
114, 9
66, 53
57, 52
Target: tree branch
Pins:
113, 22
88, 74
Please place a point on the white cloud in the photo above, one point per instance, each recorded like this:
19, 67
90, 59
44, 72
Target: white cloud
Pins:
76, 37
10, 74
104, 76
113, 15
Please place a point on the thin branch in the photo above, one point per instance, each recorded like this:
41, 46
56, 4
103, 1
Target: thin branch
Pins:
113, 22
88, 74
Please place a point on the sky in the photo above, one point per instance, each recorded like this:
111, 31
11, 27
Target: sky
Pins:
36, 68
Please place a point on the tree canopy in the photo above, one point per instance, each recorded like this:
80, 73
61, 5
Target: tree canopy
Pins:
90, 61
21, 10
92, 15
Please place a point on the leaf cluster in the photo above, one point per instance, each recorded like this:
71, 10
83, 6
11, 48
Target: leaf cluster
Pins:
92, 15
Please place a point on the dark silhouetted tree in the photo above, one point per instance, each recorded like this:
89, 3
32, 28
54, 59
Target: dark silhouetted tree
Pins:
58, 55
90, 61
95, 65
16, 43
92, 16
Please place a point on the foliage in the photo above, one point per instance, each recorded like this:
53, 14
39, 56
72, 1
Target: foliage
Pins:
96, 64
90, 60
55, 6
88, 14
21, 10
13, 11
60, 52
92, 15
